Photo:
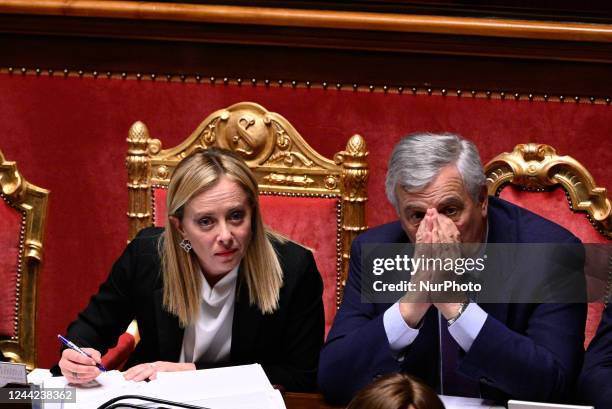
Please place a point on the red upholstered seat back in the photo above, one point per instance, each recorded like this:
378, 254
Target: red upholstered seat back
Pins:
10, 241
310, 221
554, 206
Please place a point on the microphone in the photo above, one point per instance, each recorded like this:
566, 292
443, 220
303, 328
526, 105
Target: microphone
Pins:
111, 404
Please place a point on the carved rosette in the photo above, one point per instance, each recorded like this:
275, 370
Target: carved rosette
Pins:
31, 201
354, 178
139, 177
538, 167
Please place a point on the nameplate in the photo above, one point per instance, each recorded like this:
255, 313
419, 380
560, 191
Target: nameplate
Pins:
12, 373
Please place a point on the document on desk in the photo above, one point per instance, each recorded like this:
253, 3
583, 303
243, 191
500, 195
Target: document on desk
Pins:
93, 394
238, 387
459, 402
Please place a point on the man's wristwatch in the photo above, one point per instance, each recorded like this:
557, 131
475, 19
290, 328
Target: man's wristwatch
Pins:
462, 308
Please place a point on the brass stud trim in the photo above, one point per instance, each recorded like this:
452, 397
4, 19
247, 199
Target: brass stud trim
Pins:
22, 230
384, 88
153, 205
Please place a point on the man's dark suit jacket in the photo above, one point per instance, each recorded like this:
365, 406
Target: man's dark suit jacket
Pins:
524, 351
595, 385
286, 343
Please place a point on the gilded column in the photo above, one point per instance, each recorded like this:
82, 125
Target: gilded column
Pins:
139, 179
355, 178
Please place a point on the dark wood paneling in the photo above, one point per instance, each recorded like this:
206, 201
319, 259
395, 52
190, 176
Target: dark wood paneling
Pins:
421, 69
278, 44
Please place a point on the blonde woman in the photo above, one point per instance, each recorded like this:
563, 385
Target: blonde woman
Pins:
215, 288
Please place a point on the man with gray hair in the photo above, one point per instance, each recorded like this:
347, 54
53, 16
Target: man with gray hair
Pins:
461, 347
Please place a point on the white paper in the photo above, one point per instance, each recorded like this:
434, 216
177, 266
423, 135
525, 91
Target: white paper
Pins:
210, 383
459, 402
38, 375
93, 394
238, 387
257, 400
519, 404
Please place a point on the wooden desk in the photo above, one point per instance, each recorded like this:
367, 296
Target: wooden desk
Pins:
306, 401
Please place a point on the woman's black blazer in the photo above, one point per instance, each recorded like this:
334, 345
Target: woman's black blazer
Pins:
286, 343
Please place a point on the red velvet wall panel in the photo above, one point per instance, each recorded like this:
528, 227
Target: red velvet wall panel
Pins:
10, 229
68, 135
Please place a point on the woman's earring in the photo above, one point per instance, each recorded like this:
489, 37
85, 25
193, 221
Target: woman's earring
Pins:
185, 245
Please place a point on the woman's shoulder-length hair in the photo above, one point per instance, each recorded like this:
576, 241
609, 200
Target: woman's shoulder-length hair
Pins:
260, 268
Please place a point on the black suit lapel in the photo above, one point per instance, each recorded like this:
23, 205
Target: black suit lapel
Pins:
247, 319
170, 334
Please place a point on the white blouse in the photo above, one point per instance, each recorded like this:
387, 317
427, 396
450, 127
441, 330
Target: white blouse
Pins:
209, 339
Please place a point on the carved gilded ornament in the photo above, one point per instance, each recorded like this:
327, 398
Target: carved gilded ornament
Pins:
331, 182
31, 201
355, 169
10, 179
538, 167
289, 180
163, 172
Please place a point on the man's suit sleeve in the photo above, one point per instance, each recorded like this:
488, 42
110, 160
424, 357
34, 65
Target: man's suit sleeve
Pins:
357, 349
595, 384
303, 336
541, 365
541, 361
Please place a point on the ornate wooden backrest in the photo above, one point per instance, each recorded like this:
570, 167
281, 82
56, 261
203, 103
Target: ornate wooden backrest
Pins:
23, 208
537, 167
535, 177
285, 166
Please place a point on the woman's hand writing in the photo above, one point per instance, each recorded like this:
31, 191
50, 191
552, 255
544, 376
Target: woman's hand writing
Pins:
149, 370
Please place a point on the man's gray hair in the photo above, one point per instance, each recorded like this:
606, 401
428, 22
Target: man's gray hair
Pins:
418, 158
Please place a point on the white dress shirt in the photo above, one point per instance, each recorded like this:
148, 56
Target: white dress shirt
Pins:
209, 339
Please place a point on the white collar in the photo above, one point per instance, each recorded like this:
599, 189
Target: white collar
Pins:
216, 295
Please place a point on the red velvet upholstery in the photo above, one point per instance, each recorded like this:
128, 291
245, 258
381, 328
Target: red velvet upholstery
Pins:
10, 228
159, 206
554, 206
116, 357
310, 221
313, 223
